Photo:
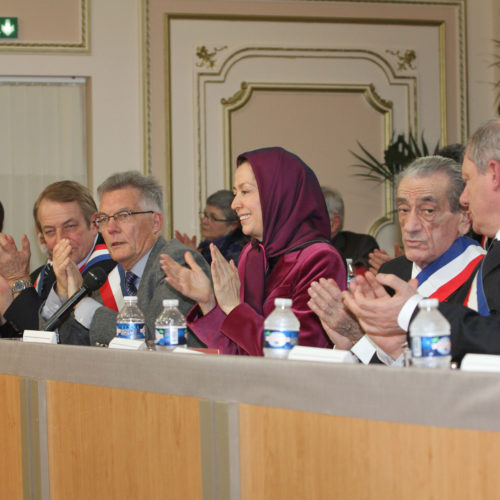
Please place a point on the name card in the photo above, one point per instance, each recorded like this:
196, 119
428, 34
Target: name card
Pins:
304, 353
40, 337
130, 344
480, 363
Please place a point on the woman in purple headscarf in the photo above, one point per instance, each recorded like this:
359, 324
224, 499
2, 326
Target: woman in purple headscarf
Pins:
281, 207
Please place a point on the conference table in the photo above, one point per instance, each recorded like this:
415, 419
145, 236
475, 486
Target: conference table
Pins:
98, 423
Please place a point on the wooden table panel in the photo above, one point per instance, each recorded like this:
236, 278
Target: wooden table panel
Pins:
11, 479
288, 454
109, 443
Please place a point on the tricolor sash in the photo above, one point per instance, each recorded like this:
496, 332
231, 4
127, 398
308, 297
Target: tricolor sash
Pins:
451, 270
476, 298
111, 292
99, 253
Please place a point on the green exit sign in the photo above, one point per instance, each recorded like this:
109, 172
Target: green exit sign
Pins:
8, 27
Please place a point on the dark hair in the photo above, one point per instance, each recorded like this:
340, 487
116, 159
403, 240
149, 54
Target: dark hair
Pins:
65, 192
222, 199
454, 151
1, 216
429, 165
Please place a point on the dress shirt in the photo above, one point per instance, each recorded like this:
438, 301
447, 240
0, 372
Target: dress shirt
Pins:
411, 304
86, 308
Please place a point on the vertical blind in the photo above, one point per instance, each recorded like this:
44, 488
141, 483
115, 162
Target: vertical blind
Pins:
42, 140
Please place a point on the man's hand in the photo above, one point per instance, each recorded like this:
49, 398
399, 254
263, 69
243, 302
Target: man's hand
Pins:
14, 263
379, 257
376, 311
326, 301
61, 259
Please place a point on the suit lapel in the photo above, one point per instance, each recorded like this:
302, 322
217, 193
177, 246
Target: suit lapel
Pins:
492, 259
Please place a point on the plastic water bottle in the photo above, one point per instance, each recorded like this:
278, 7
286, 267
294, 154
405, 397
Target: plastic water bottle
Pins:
130, 320
350, 272
281, 330
170, 326
430, 337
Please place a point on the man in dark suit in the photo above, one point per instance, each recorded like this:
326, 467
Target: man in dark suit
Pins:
432, 228
354, 246
130, 220
471, 331
64, 210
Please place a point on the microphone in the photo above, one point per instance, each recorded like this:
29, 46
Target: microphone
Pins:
92, 280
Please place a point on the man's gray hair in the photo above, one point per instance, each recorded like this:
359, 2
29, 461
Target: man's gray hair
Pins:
334, 204
222, 199
430, 165
484, 145
151, 193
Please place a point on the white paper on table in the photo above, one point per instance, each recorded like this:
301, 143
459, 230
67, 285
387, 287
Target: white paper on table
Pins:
304, 353
130, 344
40, 336
480, 363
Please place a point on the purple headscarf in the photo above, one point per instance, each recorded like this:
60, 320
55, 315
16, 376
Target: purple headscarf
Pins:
294, 213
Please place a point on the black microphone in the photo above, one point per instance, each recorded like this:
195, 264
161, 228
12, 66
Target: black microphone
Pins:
92, 280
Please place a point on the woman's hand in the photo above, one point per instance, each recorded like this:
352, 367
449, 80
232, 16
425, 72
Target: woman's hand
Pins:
190, 281
186, 240
226, 281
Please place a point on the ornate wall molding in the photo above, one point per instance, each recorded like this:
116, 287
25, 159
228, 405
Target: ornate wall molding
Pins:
80, 45
207, 76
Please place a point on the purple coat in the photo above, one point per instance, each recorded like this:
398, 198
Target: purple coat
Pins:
242, 331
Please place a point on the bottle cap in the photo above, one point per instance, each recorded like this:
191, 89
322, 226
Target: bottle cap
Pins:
348, 262
170, 302
130, 298
283, 302
428, 303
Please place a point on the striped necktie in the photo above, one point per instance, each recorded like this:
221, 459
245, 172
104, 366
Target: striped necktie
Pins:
130, 279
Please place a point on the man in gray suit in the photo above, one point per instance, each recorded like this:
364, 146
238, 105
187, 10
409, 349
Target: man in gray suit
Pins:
130, 220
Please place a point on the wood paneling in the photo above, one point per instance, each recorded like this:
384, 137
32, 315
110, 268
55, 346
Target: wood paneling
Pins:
112, 443
11, 481
288, 454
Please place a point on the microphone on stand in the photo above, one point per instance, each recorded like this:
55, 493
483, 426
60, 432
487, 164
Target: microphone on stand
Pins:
92, 280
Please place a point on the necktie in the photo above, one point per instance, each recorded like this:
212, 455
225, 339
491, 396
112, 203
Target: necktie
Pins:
130, 287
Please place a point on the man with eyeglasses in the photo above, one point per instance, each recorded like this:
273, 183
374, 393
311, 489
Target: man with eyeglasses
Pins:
64, 217
220, 225
130, 220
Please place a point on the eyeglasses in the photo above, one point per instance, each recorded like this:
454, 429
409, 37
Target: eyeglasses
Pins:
120, 217
212, 218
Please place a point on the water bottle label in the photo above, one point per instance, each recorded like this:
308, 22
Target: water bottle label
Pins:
171, 335
130, 330
429, 347
280, 339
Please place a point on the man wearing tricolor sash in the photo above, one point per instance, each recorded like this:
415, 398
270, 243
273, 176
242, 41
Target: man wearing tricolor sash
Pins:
475, 328
130, 220
64, 217
437, 254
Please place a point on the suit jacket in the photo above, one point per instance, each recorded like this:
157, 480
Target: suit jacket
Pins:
152, 290
23, 312
471, 332
355, 246
400, 266
242, 330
